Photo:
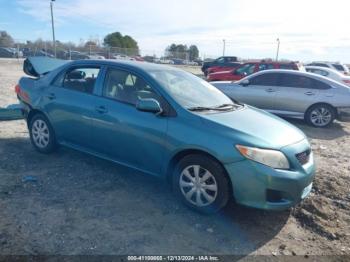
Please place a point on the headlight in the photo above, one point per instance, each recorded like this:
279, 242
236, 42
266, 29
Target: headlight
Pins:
272, 158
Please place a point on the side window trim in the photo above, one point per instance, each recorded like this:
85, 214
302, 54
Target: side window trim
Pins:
168, 109
62, 75
104, 82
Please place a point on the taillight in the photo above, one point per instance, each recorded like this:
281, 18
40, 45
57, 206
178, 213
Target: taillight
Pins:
346, 81
22, 94
17, 89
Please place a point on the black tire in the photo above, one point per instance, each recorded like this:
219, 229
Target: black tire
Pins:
221, 181
49, 144
329, 114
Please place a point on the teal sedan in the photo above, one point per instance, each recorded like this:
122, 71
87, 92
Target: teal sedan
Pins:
171, 124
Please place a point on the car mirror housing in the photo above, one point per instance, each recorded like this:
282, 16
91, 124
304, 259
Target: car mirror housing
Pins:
245, 82
149, 105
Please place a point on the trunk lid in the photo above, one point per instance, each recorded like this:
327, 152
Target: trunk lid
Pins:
38, 66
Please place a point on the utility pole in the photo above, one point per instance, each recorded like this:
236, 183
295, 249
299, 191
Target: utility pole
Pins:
53, 27
278, 48
223, 49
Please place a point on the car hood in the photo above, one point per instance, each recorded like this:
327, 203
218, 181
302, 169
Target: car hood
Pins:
254, 127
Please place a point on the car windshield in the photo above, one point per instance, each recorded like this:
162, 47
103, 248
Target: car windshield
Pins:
191, 91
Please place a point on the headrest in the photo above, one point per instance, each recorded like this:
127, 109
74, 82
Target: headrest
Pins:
75, 75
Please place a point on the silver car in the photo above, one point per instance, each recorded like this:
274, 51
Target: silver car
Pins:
296, 94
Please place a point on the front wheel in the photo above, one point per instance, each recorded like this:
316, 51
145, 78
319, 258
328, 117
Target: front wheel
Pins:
201, 183
320, 115
41, 134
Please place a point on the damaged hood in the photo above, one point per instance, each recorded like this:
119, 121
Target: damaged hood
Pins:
257, 128
40, 65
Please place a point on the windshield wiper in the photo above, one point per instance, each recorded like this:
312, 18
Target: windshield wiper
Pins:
223, 107
200, 108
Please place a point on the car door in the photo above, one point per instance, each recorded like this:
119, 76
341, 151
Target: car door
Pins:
69, 104
244, 70
260, 92
296, 94
123, 133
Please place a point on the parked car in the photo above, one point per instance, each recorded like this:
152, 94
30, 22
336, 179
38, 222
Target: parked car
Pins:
330, 73
75, 55
249, 68
96, 56
198, 61
7, 52
296, 94
121, 57
178, 61
333, 65
149, 59
138, 58
36, 52
171, 124
191, 63
220, 64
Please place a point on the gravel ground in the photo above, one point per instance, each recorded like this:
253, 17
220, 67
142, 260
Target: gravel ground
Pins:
78, 204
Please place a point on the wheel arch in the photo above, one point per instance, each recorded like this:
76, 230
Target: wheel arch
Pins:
33, 112
185, 152
322, 103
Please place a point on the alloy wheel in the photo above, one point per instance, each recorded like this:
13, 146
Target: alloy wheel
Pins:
40, 133
321, 116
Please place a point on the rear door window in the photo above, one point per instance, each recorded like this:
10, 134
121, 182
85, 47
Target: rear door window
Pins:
246, 69
81, 79
296, 81
265, 67
265, 80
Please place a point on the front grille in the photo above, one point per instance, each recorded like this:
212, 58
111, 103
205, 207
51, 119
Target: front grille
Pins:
303, 157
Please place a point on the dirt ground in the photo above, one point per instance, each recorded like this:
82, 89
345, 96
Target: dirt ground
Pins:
79, 204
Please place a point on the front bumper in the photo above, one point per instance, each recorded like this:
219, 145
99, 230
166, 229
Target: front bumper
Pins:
344, 114
260, 186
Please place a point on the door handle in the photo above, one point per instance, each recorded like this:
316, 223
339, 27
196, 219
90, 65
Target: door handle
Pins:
101, 109
270, 90
51, 96
309, 93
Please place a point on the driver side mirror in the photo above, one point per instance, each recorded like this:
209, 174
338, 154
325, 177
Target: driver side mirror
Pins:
149, 105
245, 82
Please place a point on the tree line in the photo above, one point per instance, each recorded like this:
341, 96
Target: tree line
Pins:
182, 51
121, 43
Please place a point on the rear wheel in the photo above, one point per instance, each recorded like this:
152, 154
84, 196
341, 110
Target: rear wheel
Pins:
201, 183
320, 115
41, 134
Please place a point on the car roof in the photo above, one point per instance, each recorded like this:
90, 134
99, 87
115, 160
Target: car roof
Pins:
295, 72
288, 71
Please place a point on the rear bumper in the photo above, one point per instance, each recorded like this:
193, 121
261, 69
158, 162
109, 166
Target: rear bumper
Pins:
259, 186
344, 114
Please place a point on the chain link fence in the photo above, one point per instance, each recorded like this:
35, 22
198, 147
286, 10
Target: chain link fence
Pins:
73, 52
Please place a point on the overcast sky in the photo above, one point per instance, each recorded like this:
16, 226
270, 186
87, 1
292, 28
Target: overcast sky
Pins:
308, 29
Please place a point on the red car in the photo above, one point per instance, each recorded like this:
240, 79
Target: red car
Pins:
249, 68
219, 68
